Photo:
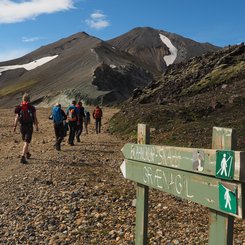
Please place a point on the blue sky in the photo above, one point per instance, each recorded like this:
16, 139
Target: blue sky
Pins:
25, 25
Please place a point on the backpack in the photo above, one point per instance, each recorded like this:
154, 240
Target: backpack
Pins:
88, 115
97, 113
26, 115
80, 113
57, 115
72, 115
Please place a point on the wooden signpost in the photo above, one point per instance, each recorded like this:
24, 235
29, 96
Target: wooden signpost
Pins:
211, 177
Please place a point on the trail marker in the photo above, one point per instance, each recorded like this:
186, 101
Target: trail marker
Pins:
213, 178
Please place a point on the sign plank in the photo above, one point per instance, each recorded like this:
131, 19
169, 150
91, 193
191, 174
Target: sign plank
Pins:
216, 194
195, 160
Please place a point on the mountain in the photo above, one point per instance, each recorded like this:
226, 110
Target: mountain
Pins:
94, 70
77, 58
190, 99
158, 48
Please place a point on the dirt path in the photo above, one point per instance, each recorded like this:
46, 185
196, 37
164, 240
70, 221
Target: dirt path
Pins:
78, 195
42, 143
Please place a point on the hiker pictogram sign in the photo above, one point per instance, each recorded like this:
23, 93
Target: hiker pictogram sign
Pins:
228, 198
225, 164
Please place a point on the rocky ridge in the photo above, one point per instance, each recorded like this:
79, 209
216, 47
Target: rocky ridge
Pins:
190, 99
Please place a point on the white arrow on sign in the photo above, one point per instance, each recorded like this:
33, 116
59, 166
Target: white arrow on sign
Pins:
123, 169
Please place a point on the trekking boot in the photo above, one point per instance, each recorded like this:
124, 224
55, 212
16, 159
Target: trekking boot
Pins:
78, 139
23, 160
28, 155
57, 147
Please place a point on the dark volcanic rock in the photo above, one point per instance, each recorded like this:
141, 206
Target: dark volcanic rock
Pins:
121, 81
204, 92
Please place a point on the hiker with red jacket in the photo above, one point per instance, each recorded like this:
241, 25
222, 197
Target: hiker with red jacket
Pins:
26, 116
72, 117
80, 119
97, 115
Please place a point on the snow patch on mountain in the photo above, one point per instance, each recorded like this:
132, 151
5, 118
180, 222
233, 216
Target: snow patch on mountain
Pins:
169, 59
29, 66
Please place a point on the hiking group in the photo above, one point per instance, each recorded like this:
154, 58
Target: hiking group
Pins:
74, 119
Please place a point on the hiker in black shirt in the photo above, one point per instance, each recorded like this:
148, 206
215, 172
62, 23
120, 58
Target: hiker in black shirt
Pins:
80, 119
26, 116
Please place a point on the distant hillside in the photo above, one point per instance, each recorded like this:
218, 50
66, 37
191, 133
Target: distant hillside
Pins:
96, 71
190, 99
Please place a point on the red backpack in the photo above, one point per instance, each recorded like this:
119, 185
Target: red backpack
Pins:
97, 113
72, 116
26, 114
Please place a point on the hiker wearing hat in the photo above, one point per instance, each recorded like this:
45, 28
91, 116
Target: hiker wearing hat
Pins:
26, 116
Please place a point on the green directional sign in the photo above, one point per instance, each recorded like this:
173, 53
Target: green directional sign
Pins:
228, 199
201, 161
225, 161
201, 189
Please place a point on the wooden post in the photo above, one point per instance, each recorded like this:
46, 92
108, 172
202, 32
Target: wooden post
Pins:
221, 225
142, 195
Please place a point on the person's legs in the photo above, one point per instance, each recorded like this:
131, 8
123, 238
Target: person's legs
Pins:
99, 125
25, 148
72, 134
59, 133
56, 131
78, 132
86, 126
81, 126
26, 131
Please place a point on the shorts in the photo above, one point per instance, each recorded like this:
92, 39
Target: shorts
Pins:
26, 132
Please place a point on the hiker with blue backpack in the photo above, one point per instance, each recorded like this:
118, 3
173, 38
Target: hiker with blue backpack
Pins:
72, 117
58, 116
26, 116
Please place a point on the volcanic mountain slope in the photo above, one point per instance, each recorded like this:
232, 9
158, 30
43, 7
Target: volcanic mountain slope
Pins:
190, 99
86, 67
71, 65
158, 48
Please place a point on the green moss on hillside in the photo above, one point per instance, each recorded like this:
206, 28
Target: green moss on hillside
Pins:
217, 76
15, 88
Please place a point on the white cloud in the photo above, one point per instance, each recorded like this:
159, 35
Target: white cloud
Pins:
11, 12
97, 20
31, 39
13, 54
